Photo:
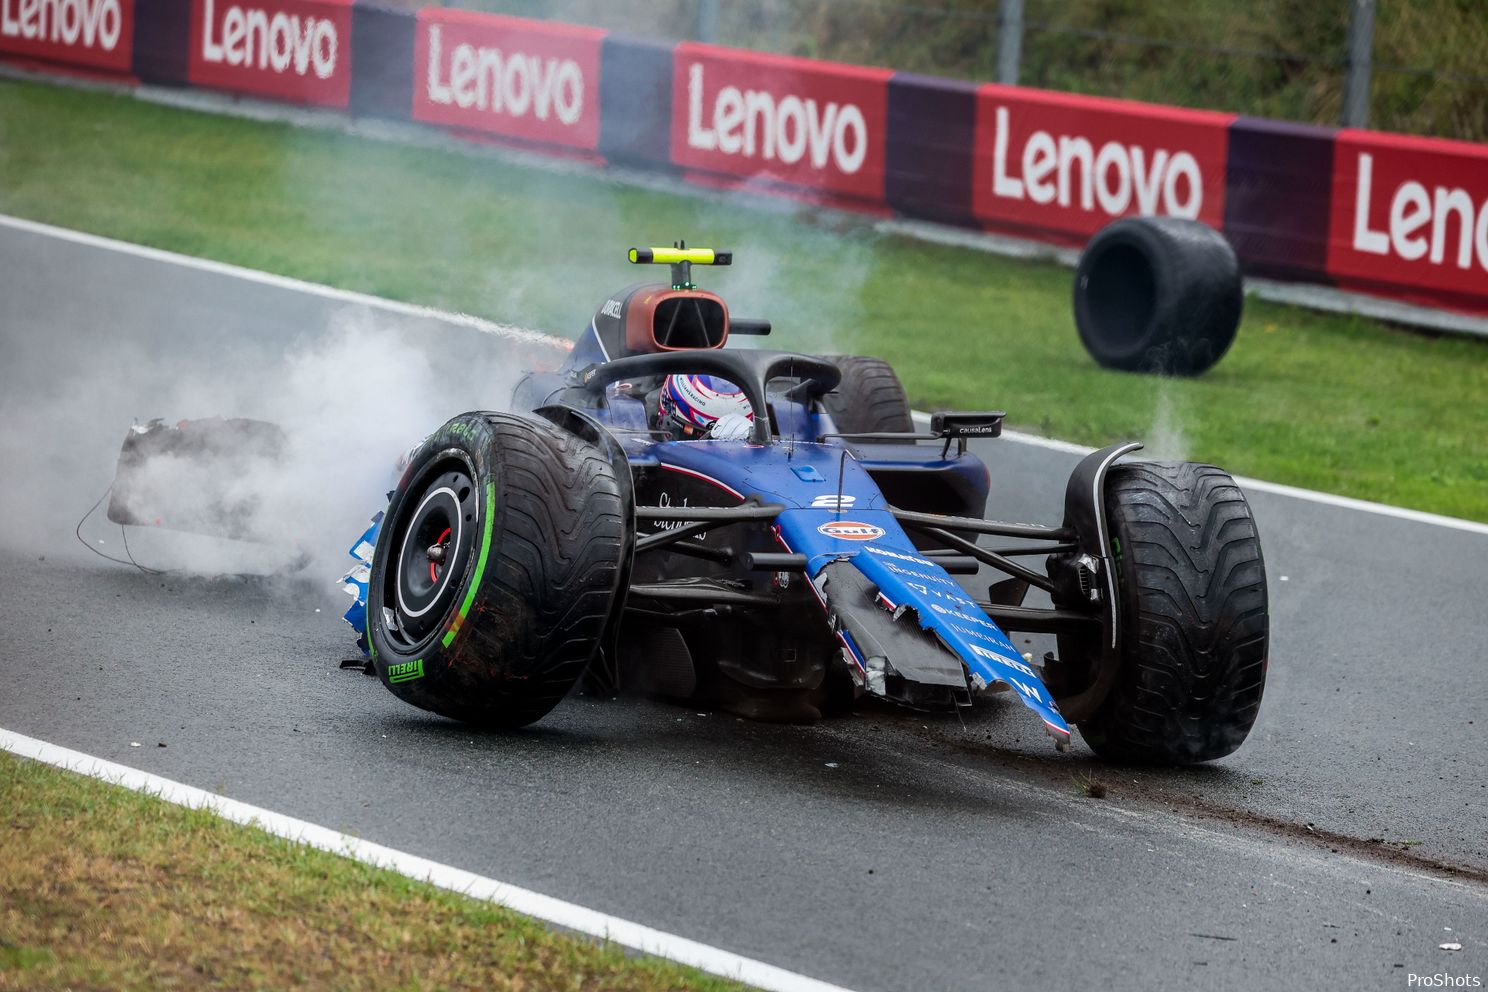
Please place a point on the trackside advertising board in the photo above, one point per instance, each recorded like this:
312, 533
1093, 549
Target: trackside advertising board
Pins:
1071, 164
1410, 212
508, 76
94, 34
293, 50
815, 125
1394, 215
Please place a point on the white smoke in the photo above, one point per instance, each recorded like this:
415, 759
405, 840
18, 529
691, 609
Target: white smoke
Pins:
351, 398
1165, 440
349, 403
107, 341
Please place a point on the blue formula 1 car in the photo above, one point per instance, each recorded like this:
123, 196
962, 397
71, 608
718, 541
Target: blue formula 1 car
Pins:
785, 569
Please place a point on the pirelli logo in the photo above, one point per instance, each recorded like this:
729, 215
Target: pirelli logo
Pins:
406, 671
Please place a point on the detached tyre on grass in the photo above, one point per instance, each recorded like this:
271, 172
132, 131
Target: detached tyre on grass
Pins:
869, 399
497, 568
1158, 294
1194, 617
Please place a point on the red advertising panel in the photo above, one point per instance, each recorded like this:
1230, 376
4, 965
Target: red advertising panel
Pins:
97, 34
1072, 164
518, 78
1412, 212
817, 125
294, 50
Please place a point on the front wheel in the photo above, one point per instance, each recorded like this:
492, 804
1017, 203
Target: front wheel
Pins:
496, 570
1194, 617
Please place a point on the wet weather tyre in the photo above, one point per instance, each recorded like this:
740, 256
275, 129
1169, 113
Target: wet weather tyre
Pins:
869, 399
1194, 618
497, 568
1158, 294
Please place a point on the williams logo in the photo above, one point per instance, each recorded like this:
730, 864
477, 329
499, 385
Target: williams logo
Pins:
850, 530
406, 671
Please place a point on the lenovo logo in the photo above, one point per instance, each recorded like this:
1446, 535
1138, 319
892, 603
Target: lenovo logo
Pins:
294, 50
512, 83
754, 123
508, 76
252, 38
1068, 163
1442, 224
1410, 213
814, 125
90, 23
1068, 170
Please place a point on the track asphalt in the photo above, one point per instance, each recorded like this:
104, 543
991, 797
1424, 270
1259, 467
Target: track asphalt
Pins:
879, 851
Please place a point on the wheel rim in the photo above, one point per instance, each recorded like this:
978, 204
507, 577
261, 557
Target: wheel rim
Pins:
432, 547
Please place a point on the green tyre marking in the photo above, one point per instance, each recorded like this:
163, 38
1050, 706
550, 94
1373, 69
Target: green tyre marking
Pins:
406, 671
480, 566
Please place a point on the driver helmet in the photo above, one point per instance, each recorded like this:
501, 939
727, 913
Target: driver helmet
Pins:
692, 404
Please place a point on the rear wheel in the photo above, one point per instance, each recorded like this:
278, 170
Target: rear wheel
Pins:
869, 399
496, 569
1194, 616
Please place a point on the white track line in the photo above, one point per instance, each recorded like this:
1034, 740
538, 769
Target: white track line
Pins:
564, 914
509, 331
1262, 486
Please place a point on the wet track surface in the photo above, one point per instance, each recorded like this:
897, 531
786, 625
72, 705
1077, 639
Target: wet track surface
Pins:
883, 850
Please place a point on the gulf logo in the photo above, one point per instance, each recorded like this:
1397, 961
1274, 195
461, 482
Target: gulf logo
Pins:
850, 530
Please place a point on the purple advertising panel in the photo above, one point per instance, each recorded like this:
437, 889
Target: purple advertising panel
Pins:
1280, 188
635, 98
931, 140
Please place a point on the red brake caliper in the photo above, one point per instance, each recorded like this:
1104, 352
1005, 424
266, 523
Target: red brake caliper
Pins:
434, 568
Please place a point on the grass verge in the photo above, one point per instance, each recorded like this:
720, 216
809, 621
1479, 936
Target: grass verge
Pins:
1329, 402
105, 888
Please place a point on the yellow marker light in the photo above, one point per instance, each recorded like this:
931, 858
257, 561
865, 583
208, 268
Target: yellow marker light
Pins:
676, 256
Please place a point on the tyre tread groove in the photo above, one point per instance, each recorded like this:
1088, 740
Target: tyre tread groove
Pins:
1195, 615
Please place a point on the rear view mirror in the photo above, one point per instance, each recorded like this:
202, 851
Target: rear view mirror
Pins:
960, 426
950, 425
